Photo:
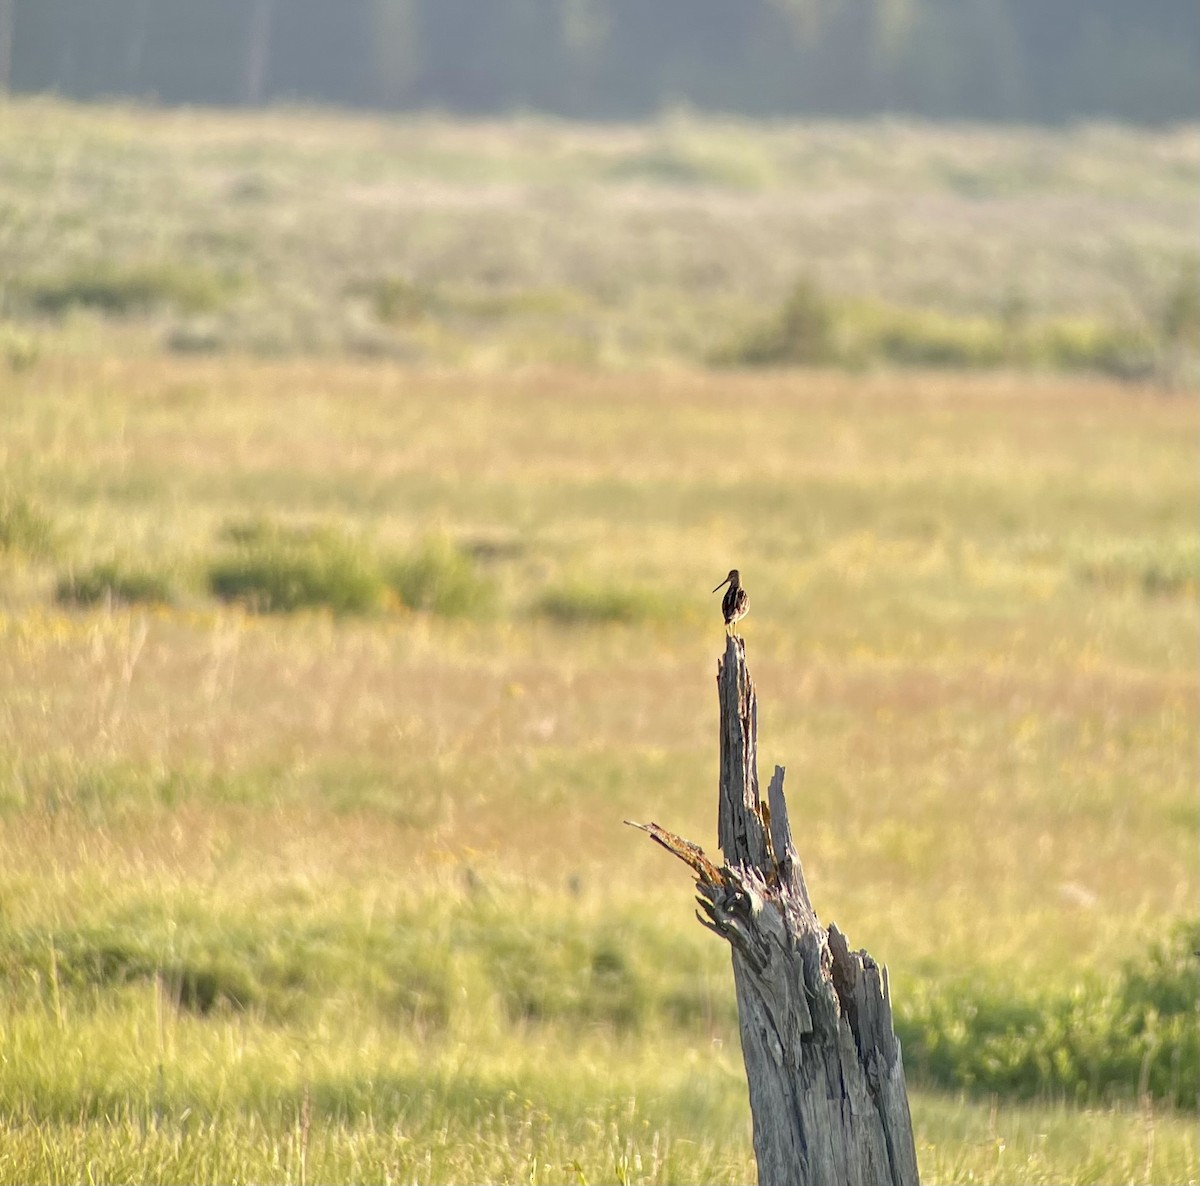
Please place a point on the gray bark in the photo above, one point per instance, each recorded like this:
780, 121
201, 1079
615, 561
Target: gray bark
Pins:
826, 1080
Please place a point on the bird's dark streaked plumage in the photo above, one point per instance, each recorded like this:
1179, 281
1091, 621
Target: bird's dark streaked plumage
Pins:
735, 603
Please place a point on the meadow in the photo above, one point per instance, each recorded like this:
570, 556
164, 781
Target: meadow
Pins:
432, 241
335, 647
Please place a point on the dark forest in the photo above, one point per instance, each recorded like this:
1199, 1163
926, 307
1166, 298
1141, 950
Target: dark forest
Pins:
996, 60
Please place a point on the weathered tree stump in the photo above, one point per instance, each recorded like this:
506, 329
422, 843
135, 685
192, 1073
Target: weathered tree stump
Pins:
827, 1091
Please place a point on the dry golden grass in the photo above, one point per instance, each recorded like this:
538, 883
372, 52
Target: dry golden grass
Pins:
398, 836
956, 703
985, 703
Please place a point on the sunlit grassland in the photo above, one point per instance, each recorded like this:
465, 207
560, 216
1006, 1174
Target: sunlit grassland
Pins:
488, 244
348, 1102
320, 896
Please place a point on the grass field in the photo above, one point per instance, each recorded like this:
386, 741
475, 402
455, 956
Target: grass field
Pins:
329, 679
493, 244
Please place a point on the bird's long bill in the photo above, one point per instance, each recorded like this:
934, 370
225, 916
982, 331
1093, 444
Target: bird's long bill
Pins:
724, 582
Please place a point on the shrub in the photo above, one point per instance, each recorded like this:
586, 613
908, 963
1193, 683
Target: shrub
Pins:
1180, 316
1080, 344
802, 332
1179, 327
1103, 1042
274, 569
811, 328
1160, 568
397, 300
198, 337
917, 337
18, 349
111, 957
115, 585
24, 529
438, 577
125, 289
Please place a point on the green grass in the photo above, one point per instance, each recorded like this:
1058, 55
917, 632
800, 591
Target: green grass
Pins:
812, 329
25, 529
272, 567
1122, 1038
1167, 568
452, 1035
114, 584
318, 871
18, 347
441, 963
275, 569
376, 860
397, 300
124, 290
429, 240
438, 577
579, 602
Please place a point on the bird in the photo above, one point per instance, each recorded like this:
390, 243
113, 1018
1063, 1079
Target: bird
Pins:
735, 603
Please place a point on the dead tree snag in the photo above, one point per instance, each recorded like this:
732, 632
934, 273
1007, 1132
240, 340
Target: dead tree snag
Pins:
826, 1080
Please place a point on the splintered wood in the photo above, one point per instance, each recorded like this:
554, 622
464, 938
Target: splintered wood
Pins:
827, 1091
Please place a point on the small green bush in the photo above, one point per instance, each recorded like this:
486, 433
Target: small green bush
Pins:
812, 328
25, 530
579, 603
199, 337
1179, 329
397, 300
1180, 315
1082, 344
260, 532
275, 569
19, 350
801, 333
115, 585
112, 957
917, 337
1158, 569
121, 290
1101, 1043
438, 577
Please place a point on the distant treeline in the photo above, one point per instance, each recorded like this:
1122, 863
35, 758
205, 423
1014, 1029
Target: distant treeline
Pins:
1028, 60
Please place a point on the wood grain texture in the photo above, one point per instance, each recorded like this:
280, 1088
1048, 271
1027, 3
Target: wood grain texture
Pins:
823, 1063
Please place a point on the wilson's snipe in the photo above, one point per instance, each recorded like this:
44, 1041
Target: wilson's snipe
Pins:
735, 603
